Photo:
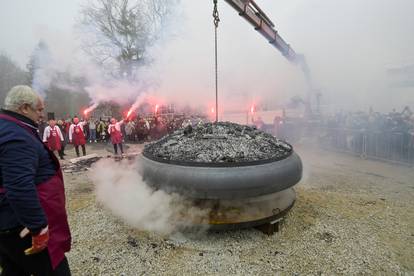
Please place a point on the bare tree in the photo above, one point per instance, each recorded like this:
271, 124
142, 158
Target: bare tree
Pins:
66, 95
63, 92
120, 31
39, 58
10, 75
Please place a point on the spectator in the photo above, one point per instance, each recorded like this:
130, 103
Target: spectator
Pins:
129, 130
92, 131
62, 127
77, 136
53, 138
114, 130
34, 231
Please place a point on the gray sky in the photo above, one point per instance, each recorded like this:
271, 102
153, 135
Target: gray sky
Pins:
348, 44
24, 22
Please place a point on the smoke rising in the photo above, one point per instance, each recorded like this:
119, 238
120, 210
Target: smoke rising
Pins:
122, 190
349, 46
43, 71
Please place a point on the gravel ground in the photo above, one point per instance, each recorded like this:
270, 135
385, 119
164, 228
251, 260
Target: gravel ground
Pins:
351, 216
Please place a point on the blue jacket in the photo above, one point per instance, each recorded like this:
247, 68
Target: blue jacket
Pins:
24, 163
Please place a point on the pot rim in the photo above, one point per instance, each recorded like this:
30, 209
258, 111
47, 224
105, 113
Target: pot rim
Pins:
217, 164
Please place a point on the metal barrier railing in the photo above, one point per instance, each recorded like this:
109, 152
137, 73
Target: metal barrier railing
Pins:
390, 146
384, 145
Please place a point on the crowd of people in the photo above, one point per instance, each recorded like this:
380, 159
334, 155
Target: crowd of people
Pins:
387, 136
79, 132
376, 121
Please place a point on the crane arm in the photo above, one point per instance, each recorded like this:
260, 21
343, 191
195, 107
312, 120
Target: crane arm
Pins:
261, 23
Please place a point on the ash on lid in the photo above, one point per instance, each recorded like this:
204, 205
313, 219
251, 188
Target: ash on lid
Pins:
221, 142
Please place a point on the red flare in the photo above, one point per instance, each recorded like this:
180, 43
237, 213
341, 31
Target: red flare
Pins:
129, 113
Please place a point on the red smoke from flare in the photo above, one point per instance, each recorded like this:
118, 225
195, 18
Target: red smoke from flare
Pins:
90, 109
129, 113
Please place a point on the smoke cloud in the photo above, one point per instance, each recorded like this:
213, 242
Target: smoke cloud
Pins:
43, 71
349, 45
122, 191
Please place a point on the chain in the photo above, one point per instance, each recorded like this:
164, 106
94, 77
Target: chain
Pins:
216, 15
216, 23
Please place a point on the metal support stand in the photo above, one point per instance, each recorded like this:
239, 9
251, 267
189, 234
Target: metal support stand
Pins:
270, 228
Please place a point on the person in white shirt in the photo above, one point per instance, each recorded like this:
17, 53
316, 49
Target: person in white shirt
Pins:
53, 138
114, 130
76, 132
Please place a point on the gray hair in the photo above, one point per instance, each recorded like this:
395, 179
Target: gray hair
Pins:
20, 95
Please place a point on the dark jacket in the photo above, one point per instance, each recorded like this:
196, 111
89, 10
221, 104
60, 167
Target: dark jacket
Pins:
24, 163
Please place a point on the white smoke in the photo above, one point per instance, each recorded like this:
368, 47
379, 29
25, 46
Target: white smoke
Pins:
44, 69
120, 188
347, 59
90, 108
117, 91
139, 100
58, 53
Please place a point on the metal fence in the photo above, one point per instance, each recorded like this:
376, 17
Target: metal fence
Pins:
383, 145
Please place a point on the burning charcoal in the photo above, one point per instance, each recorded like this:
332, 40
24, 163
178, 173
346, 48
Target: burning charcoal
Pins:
227, 159
212, 136
170, 143
208, 129
202, 157
231, 131
239, 155
222, 142
188, 129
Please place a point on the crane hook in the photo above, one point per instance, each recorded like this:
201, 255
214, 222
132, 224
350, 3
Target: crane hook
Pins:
216, 23
216, 14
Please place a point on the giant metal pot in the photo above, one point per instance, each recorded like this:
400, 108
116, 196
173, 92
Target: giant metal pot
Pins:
223, 181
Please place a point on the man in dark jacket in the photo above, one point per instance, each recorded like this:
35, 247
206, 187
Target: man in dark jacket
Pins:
34, 232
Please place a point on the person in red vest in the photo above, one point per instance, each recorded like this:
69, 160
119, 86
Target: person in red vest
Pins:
114, 130
76, 135
34, 230
53, 137
67, 124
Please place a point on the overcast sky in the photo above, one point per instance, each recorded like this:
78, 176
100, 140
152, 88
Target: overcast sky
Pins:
349, 44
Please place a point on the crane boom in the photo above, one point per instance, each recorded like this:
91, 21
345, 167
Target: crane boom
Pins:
261, 23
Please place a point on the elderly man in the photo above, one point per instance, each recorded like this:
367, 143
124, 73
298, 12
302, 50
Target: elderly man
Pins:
34, 231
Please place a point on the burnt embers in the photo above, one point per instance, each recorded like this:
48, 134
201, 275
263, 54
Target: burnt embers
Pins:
221, 142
